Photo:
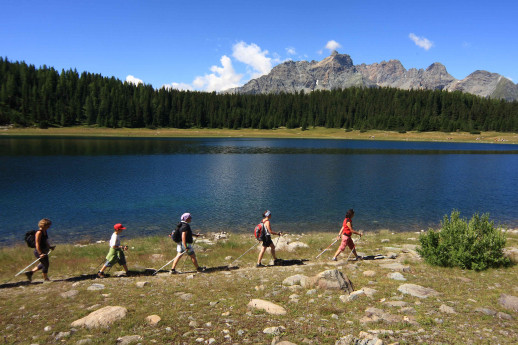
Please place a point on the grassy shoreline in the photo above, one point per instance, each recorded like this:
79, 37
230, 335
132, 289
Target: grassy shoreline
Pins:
214, 305
312, 133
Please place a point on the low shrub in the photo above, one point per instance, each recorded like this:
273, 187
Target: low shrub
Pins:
476, 244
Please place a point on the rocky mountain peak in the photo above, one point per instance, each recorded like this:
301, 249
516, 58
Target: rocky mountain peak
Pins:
337, 71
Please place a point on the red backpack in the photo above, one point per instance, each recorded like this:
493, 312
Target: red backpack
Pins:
259, 231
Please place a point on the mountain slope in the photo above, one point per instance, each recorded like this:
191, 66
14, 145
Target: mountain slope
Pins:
337, 71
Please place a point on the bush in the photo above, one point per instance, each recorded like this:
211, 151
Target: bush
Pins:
476, 245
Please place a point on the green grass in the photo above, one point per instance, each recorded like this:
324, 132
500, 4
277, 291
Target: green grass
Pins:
220, 298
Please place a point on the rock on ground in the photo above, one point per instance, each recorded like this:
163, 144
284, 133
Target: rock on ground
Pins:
297, 279
153, 320
417, 291
268, 307
331, 280
509, 302
102, 317
129, 339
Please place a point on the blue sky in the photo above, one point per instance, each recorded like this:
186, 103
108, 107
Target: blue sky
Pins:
213, 45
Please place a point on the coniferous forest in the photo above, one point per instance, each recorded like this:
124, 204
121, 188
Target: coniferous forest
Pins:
44, 97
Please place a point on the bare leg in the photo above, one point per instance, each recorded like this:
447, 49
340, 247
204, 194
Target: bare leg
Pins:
194, 261
272, 247
337, 253
175, 262
261, 253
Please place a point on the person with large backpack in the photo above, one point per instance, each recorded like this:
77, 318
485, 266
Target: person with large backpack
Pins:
264, 234
41, 249
182, 235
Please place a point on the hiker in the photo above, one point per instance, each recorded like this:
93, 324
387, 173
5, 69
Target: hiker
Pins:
185, 242
41, 250
346, 232
116, 253
267, 238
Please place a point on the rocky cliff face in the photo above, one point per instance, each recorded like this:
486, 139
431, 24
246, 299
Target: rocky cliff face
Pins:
338, 71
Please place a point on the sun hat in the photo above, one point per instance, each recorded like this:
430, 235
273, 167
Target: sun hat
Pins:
119, 226
267, 213
185, 216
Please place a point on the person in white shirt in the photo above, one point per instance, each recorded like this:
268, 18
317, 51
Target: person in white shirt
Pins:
116, 253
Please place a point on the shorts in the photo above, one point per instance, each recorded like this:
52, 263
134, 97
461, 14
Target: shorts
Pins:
346, 241
180, 248
44, 262
115, 256
267, 241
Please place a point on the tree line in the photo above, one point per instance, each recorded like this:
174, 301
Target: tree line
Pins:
44, 97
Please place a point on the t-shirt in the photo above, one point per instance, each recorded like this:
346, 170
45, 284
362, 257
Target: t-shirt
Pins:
115, 241
347, 231
188, 232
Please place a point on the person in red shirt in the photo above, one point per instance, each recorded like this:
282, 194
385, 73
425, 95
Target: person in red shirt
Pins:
346, 232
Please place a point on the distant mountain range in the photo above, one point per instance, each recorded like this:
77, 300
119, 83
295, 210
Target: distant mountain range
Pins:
338, 71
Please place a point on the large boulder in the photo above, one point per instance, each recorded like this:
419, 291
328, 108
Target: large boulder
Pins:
102, 317
331, 280
269, 307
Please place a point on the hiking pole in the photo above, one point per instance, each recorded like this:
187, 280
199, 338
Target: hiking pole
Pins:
353, 249
158, 270
32, 263
255, 245
327, 248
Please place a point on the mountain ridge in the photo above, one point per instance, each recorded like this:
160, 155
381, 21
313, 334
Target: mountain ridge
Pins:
337, 71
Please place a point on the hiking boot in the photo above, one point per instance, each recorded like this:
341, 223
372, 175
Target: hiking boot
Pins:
100, 275
260, 265
334, 259
173, 272
201, 269
29, 275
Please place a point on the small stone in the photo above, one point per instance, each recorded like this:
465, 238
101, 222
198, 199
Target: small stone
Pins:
129, 339
193, 324
47, 329
269, 307
447, 309
212, 341
228, 258
385, 240
227, 313
96, 287
142, 284
62, 335
69, 294
168, 329
274, 330
396, 276
369, 273
153, 320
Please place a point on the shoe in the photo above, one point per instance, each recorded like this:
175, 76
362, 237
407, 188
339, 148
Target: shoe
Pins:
201, 269
334, 259
29, 275
260, 265
173, 272
100, 275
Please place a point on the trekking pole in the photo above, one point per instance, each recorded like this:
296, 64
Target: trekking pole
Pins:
32, 263
353, 248
255, 245
158, 270
327, 248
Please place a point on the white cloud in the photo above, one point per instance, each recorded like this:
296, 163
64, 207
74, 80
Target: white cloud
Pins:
333, 45
422, 42
222, 78
253, 57
256, 61
179, 86
132, 80
291, 51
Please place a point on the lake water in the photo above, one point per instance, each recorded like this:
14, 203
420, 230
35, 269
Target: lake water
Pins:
85, 185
